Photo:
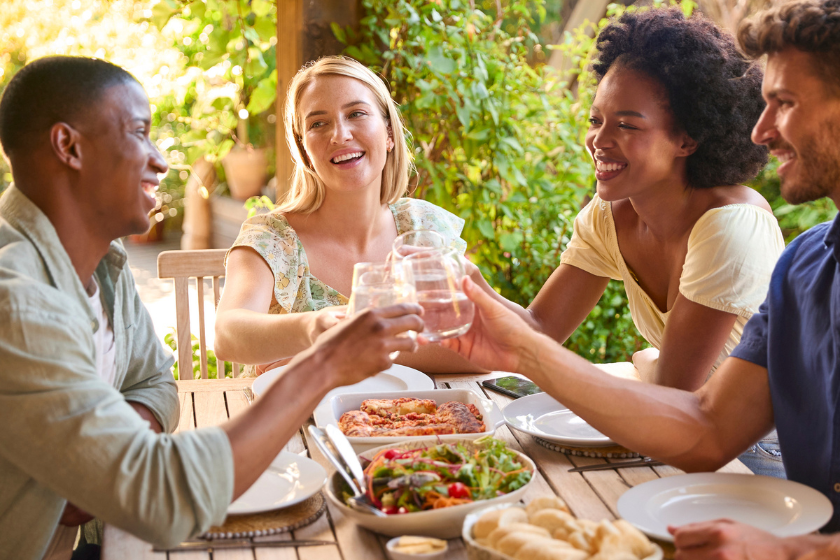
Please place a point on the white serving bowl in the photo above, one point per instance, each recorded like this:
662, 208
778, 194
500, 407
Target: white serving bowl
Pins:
331, 409
477, 551
443, 523
397, 555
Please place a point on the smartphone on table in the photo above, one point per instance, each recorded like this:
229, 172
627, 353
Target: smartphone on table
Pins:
512, 386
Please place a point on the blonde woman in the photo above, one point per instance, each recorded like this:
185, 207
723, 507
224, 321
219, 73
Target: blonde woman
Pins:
290, 271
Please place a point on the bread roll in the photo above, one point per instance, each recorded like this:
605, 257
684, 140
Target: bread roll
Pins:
488, 522
512, 542
579, 540
516, 528
553, 519
614, 554
546, 502
548, 550
639, 543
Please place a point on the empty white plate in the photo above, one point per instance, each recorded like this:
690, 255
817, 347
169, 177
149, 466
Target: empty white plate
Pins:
395, 378
542, 416
289, 480
781, 507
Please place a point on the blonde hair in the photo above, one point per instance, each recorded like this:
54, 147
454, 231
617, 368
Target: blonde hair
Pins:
307, 189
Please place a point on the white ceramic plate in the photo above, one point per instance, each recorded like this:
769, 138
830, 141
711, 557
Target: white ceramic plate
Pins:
289, 480
329, 411
444, 523
486, 553
543, 417
395, 378
782, 507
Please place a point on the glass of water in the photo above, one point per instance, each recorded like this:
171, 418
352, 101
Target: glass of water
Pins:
447, 312
378, 285
418, 241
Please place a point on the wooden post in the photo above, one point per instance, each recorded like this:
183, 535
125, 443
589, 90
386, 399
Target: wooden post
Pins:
289, 60
304, 34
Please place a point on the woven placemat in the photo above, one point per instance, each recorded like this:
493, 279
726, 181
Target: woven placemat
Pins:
611, 452
270, 522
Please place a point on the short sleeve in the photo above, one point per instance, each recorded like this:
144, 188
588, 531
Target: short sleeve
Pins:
589, 248
753, 345
411, 214
271, 236
731, 254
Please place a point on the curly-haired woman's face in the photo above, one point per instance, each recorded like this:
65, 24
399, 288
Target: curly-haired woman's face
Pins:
632, 137
801, 126
345, 137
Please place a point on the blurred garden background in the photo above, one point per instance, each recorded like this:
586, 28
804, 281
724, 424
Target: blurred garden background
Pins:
495, 94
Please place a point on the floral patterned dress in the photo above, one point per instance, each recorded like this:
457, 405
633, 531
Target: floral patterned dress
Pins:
295, 289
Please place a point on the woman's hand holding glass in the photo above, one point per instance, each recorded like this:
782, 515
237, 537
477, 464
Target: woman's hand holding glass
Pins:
379, 285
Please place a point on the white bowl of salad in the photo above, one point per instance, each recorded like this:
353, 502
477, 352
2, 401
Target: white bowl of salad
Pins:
428, 487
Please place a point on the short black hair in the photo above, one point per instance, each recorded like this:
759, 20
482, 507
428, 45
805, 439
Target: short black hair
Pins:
50, 90
713, 90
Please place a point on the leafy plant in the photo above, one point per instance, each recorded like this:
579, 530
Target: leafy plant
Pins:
212, 362
230, 68
496, 141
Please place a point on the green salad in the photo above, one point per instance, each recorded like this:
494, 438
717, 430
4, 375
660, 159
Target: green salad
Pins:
443, 475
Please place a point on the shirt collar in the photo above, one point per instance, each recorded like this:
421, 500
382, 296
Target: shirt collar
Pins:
22, 214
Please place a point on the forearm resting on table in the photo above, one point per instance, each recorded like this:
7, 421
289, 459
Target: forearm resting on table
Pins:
250, 337
678, 427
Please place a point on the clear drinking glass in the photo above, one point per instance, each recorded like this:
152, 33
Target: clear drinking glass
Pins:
437, 279
380, 285
417, 241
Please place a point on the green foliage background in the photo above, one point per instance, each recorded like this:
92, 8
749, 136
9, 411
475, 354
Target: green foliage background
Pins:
498, 140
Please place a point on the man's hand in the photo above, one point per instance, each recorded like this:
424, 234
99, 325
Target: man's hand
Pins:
497, 335
359, 347
726, 540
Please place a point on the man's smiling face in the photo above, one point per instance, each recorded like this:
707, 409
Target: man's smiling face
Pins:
801, 126
120, 163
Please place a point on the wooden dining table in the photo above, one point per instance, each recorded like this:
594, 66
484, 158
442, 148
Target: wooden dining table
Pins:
590, 495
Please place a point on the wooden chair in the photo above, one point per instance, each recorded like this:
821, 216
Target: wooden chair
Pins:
181, 266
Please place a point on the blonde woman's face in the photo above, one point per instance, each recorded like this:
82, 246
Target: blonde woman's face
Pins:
344, 134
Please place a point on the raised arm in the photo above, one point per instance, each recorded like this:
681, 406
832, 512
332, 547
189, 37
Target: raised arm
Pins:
245, 331
562, 303
693, 431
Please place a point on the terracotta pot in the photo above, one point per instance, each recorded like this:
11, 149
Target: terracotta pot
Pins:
246, 170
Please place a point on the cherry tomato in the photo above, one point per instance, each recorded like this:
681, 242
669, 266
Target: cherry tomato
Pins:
389, 510
402, 510
459, 490
391, 454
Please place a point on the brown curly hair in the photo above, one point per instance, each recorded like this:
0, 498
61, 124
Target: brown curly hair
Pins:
714, 91
812, 26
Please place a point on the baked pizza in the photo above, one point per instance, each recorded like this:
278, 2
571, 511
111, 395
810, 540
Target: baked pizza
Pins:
410, 417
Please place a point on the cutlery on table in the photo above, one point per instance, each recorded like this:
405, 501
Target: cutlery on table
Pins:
218, 545
644, 462
359, 500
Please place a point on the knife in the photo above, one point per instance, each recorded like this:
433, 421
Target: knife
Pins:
345, 449
218, 545
646, 462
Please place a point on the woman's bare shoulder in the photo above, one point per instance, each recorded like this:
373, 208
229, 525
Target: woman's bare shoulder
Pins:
736, 194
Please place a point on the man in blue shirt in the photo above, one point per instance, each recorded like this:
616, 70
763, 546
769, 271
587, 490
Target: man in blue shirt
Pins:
786, 370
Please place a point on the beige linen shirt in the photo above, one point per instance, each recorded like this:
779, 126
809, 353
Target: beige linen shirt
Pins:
69, 435
731, 254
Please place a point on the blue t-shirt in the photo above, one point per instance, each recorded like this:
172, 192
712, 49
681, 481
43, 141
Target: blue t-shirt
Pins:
796, 336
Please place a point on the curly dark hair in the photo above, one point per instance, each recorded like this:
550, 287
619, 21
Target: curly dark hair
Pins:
714, 91
810, 26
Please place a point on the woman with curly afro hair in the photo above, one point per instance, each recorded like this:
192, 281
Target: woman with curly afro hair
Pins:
669, 136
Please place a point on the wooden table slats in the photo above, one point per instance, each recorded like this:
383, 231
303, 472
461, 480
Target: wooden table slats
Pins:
204, 403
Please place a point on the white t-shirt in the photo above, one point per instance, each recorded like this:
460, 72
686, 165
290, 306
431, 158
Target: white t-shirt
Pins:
103, 338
